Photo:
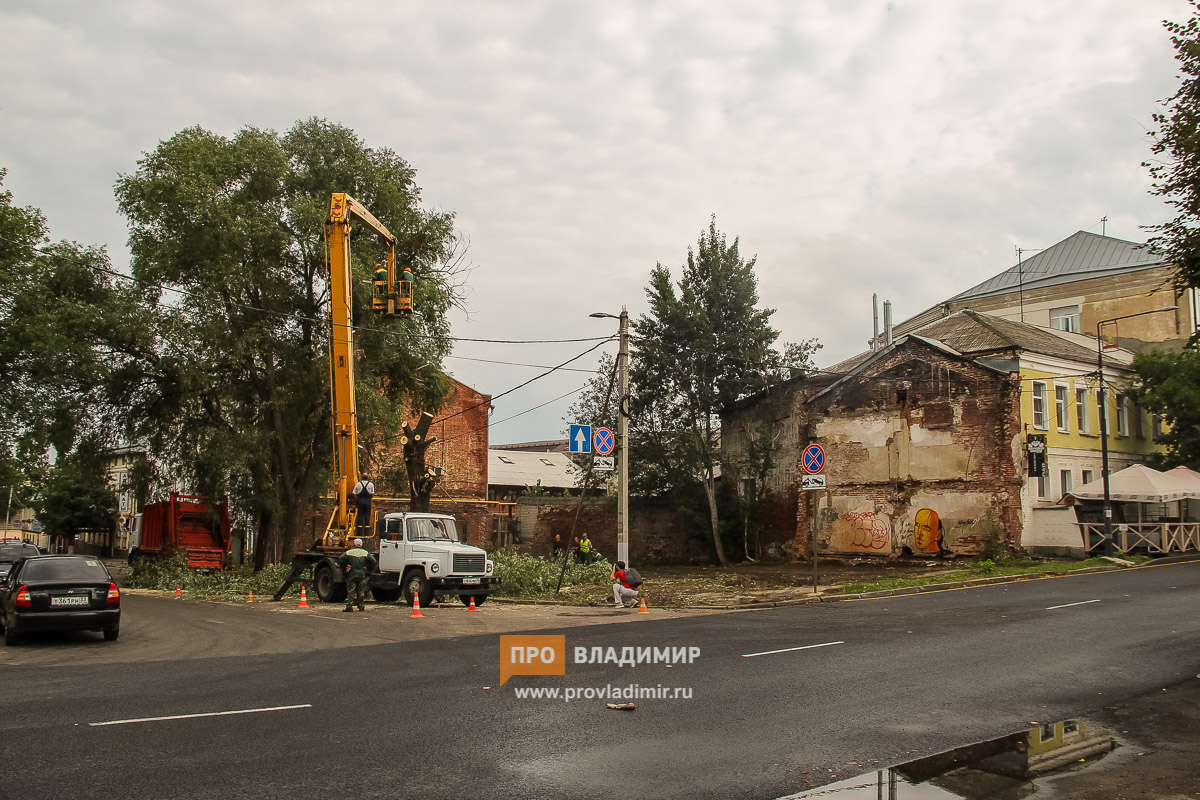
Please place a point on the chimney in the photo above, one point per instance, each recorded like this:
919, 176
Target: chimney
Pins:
887, 323
875, 316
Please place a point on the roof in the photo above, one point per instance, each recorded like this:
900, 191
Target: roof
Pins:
973, 333
546, 446
517, 468
1080, 256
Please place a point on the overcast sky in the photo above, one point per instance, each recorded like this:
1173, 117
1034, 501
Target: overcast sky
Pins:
903, 148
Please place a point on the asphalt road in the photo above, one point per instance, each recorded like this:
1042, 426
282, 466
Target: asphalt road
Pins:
360, 707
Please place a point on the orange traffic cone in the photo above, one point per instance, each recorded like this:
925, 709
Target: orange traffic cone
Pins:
643, 608
177, 592
472, 606
251, 600
303, 598
416, 614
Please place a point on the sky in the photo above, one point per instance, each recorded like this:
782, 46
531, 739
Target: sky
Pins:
899, 148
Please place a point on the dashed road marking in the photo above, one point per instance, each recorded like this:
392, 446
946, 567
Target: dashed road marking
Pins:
790, 649
195, 716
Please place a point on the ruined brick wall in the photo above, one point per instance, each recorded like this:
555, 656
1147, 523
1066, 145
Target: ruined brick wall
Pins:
461, 428
920, 431
655, 531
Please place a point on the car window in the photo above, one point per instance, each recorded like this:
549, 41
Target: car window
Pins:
435, 530
65, 569
11, 551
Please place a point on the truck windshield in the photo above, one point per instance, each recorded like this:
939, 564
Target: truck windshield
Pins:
432, 530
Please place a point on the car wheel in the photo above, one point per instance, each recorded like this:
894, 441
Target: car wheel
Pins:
110, 634
415, 585
328, 589
10, 635
466, 599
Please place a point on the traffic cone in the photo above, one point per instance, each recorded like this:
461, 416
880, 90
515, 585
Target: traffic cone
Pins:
251, 600
643, 608
416, 614
303, 598
177, 592
472, 606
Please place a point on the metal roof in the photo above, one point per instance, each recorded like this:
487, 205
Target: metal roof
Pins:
1080, 256
519, 468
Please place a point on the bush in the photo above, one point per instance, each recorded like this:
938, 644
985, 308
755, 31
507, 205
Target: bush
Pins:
527, 576
166, 574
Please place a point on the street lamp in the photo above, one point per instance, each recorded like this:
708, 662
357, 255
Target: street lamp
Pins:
622, 434
1103, 402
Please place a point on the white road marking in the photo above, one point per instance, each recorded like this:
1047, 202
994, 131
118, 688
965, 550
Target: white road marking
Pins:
1068, 605
789, 649
194, 716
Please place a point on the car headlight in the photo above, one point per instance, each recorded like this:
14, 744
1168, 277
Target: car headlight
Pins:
490, 566
435, 567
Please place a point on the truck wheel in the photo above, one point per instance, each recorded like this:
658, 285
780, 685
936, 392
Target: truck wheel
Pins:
386, 595
328, 589
466, 599
416, 584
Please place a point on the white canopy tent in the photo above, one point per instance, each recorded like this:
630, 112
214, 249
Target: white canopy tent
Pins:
1141, 484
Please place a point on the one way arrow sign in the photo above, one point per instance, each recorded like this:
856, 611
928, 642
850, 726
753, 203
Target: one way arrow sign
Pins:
581, 438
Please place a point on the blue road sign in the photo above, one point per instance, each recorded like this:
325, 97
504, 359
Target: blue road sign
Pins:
813, 460
604, 439
580, 438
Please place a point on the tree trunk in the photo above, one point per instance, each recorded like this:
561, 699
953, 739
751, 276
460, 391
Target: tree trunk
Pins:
710, 491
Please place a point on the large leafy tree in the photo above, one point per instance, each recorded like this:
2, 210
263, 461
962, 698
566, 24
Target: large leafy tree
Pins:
1175, 168
226, 236
64, 317
1168, 384
704, 345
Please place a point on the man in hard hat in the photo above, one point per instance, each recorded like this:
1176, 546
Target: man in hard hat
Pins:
357, 562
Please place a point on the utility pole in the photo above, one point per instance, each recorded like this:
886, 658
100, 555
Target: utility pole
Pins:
623, 440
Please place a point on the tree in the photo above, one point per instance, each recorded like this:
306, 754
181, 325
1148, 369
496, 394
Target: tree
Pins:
1168, 384
698, 351
234, 395
1176, 168
76, 496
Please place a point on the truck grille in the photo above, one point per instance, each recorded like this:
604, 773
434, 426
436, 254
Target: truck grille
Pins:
469, 562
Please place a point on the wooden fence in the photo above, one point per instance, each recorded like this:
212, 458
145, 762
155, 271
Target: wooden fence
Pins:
1150, 537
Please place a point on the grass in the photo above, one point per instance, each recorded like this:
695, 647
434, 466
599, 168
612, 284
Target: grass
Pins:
985, 569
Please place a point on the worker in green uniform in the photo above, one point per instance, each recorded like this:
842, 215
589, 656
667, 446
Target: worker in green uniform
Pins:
356, 562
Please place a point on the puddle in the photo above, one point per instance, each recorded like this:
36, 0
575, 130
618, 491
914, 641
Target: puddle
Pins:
1001, 769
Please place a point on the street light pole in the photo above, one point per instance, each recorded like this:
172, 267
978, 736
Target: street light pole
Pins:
1102, 396
622, 434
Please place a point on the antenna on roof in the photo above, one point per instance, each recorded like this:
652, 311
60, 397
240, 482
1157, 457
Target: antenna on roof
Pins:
1021, 277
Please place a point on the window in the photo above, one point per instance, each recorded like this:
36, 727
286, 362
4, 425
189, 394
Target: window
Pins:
1122, 415
1087, 476
1065, 318
1061, 402
1064, 482
1155, 427
1043, 487
547, 462
1039, 406
505, 459
1081, 410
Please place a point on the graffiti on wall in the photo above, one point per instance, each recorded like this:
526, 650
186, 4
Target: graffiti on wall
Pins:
928, 534
867, 530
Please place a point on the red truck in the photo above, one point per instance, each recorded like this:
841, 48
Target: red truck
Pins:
194, 526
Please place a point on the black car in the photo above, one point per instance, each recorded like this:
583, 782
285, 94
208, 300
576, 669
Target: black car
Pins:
13, 550
56, 593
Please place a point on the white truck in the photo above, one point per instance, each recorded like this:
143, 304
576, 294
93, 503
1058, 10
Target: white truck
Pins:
420, 555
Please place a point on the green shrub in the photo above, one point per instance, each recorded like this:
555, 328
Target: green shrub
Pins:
165, 574
526, 576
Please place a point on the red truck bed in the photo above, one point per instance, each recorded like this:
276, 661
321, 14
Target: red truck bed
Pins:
186, 523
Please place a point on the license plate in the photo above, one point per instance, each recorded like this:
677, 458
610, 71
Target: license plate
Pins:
470, 581
73, 600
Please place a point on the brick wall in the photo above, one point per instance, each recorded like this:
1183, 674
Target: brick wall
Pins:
655, 531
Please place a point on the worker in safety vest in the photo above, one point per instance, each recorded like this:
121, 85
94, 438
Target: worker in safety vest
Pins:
381, 273
585, 550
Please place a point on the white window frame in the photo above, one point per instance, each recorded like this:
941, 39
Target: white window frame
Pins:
1081, 410
1043, 487
1065, 318
1065, 483
1087, 476
1039, 406
1122, 415
1062, 400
